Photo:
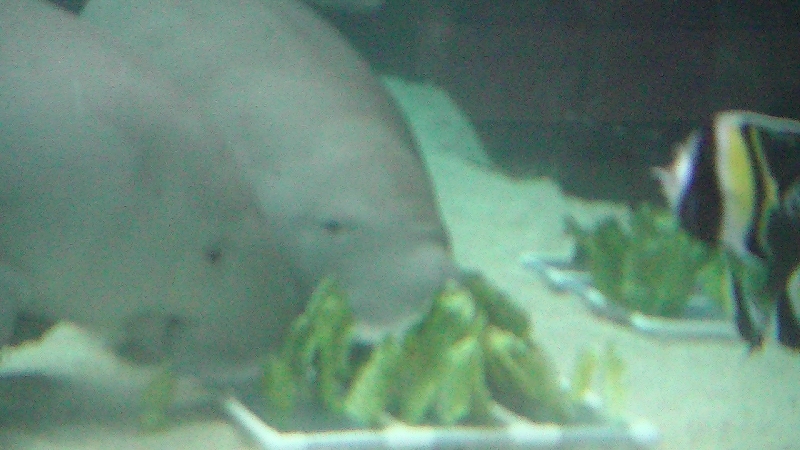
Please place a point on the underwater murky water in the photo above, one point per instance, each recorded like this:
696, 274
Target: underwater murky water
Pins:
698, 393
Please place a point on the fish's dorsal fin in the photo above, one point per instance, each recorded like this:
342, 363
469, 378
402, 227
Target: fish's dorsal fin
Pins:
740, 118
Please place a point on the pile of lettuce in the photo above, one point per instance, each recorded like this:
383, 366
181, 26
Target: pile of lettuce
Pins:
651, 266
471, 352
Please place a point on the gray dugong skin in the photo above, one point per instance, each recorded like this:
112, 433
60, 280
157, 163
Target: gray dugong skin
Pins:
328, 156
121, 209
191, 222
353, 6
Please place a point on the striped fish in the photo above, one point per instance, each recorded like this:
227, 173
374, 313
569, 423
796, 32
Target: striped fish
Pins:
735, 184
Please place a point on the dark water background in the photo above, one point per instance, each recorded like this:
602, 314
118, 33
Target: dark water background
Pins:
748, 56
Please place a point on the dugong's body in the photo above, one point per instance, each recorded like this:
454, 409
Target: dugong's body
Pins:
186, 205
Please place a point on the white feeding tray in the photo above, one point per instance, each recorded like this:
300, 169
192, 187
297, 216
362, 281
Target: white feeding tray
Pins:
517, 433
67, 352
558, 272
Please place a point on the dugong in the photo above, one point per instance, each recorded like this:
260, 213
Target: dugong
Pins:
184, 195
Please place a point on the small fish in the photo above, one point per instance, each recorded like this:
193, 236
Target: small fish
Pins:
735, 184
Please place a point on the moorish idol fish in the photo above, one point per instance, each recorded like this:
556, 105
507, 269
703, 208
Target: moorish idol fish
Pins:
735, 184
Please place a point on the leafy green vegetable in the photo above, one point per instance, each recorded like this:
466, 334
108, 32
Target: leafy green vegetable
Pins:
368, 398
582, 377
652, 267
156, 399
473, 348
523, 381
499, 309
613, 384
426, 362
316, 354
463, 389
606, 369
279, 386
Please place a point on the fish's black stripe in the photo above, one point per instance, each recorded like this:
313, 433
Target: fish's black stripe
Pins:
700, 207
788, 322
762, 208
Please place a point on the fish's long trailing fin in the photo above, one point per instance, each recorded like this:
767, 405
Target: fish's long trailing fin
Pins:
749, 323
788, 320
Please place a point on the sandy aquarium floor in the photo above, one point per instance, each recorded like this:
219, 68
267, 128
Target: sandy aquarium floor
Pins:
701, 395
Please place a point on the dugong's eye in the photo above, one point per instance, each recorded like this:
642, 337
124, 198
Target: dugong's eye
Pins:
213, 253
333, 226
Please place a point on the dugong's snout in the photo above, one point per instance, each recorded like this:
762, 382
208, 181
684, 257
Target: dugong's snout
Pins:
387, 298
